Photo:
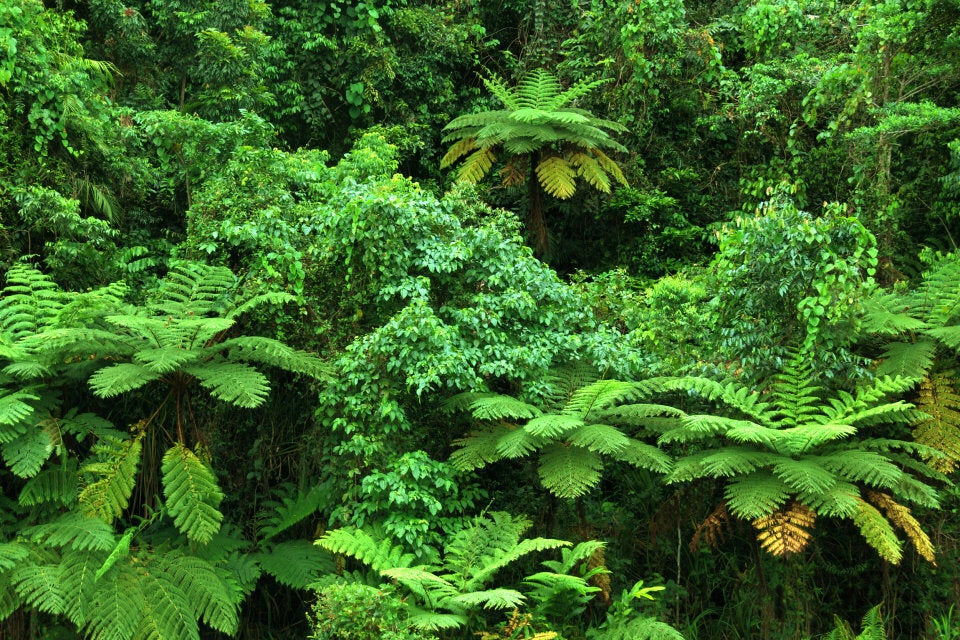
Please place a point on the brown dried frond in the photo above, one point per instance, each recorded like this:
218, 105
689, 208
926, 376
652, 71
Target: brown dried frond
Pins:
711, 531
901, 517
787, 531
514, 172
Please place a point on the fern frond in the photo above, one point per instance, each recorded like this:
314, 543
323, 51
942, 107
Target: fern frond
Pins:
15, 408
479, 448
476, 166
40, 586
55, 485
116, 606
11, 553
460, 148
949, 335
557, 177
116, 469
939, 400
29, 303
909, 359
901, 517
645, 456
490, 599
195, 289
723, 462
26, 453
166, 610
214, 600
233, 382
806, 475
755, 495
608, 164
292, 506
192, 494
517, 443
273, 353
888, 314
597, 396
165, 359
840, 501
78, 576
638, 415
295, 563
786, 532
878, 533
569, 472
122, 377
553, 426
491, 406
868, 467
74, 530
802, 439
357, 543
590, 170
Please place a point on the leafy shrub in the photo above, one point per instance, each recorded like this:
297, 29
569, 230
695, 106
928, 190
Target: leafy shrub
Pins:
352, 611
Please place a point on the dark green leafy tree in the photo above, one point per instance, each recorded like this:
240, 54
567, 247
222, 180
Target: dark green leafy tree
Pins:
547, 142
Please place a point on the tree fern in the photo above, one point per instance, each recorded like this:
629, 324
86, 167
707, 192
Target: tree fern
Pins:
796, 452
537, 126
571, 432
192, 495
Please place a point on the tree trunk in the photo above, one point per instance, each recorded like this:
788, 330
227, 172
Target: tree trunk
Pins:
536, 224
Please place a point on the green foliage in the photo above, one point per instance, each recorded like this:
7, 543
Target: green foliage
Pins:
784, 277
623, 622
352, 611
917, 332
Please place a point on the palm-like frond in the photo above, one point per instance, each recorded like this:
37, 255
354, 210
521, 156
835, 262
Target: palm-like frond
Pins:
192, 495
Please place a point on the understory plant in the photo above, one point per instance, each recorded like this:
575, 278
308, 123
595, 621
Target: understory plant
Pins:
120, 532
458, 589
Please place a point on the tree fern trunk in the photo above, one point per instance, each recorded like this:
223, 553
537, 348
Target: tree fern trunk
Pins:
536, 224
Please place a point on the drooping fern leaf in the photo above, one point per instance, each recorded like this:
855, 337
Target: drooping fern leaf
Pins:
192, 494
359, 544
115, 470
116, 606
878, 532
901, 517
214, 600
